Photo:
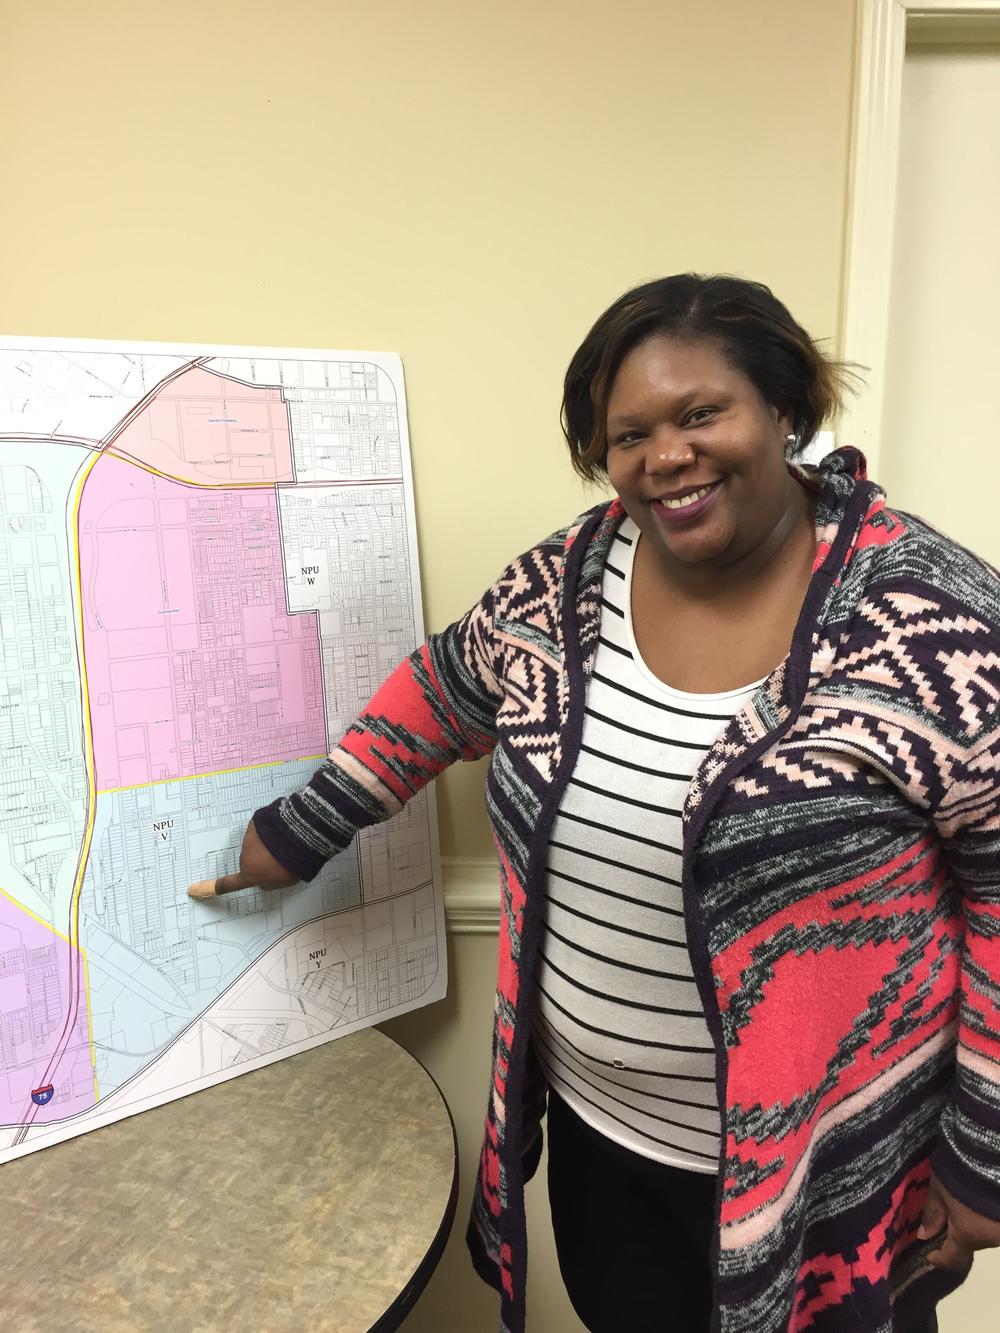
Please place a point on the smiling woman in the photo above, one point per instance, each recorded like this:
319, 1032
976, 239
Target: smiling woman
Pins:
688, 393
744, 750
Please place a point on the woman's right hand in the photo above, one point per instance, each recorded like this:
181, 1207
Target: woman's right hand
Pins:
258, 870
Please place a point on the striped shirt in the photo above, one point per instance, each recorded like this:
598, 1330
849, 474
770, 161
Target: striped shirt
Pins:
619, 1028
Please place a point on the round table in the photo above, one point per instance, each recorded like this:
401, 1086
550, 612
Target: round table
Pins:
315, 1193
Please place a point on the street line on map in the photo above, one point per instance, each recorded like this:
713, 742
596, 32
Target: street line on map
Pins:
139, 407
73, 936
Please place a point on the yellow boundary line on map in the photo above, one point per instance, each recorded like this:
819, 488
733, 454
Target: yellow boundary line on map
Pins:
111, 452
215, 773
89, 761
90, 1021
35, 917
86, 969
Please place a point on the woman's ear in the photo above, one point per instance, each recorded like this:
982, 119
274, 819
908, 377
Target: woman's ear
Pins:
782, 419
785, 428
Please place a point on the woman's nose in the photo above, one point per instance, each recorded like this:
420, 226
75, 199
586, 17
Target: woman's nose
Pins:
667, 450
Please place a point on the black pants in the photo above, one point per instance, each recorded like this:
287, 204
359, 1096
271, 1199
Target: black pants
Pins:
633, 1236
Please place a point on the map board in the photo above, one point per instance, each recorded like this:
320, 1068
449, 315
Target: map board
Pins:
207, 566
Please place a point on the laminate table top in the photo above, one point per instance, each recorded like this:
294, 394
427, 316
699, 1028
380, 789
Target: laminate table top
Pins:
315, 1193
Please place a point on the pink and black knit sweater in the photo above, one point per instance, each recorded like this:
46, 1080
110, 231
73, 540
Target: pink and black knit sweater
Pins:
841, 889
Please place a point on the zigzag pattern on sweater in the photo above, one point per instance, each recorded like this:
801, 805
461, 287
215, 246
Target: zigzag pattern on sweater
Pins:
842, 840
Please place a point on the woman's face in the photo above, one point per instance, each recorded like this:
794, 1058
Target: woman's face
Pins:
696, 454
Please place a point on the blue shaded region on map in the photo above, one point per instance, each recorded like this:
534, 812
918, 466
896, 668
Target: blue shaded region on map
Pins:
157, 960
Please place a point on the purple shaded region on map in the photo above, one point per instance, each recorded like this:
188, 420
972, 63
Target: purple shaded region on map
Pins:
193, 663
35, 997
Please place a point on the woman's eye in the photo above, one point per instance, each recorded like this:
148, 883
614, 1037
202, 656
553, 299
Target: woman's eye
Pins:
699, 415
629, 437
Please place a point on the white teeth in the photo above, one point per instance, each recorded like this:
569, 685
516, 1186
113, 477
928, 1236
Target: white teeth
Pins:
686, 500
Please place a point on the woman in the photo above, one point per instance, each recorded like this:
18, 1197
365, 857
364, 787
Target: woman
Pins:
743, 788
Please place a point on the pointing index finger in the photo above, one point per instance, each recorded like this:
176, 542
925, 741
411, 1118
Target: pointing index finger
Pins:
239, 880
210, 888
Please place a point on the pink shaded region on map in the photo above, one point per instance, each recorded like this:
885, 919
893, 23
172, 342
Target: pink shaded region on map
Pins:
36, 992
193, 662
202, 427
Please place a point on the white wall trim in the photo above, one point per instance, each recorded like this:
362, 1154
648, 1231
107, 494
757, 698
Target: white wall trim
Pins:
471, 894
882, 33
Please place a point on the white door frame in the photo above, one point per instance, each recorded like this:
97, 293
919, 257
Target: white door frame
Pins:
883, 27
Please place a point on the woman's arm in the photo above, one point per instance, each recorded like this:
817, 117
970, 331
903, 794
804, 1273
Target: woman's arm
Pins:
926, 646
967, 1157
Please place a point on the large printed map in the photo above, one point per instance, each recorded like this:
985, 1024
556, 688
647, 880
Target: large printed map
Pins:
207, 565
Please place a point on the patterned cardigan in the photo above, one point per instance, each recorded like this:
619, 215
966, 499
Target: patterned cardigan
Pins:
841, 891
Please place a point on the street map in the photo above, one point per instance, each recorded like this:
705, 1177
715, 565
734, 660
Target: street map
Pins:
207, 566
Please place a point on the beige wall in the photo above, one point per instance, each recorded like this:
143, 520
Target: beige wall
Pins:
466, 184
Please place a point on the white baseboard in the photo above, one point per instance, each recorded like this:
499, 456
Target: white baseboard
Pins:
471, 894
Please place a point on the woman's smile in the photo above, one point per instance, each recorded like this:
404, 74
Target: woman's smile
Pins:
685, 506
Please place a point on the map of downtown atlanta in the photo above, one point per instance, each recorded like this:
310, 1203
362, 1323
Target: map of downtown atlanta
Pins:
207, 566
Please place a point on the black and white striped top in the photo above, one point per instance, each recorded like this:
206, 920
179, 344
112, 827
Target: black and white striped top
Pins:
619, 1027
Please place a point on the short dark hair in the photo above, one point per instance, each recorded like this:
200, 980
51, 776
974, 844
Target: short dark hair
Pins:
748, 323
